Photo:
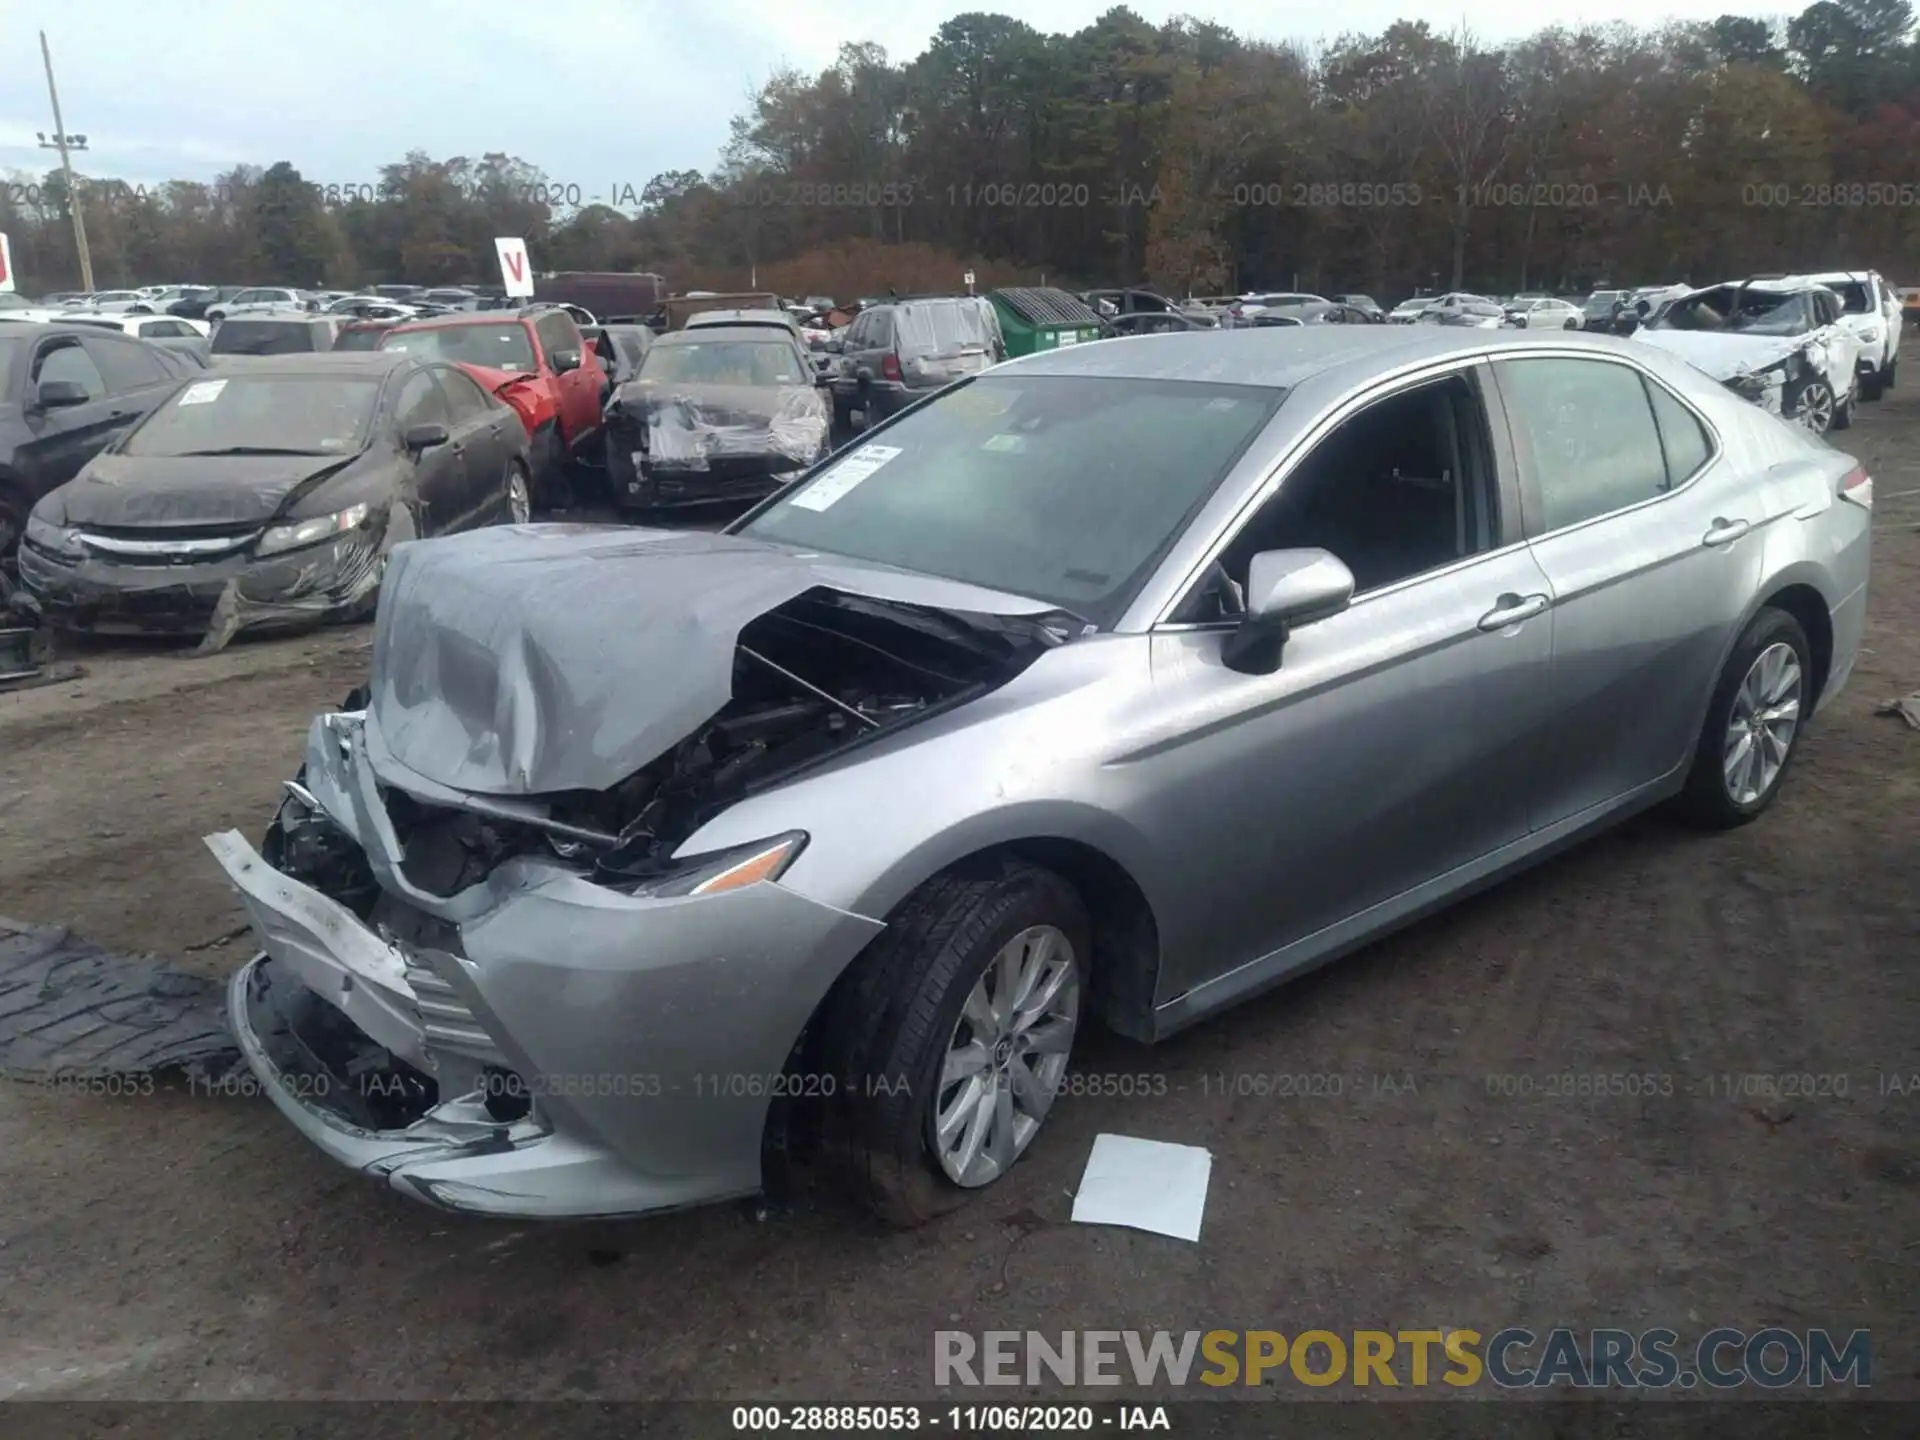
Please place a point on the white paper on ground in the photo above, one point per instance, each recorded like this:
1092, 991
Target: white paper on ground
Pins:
1144, 1185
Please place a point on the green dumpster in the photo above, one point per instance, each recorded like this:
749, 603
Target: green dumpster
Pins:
1035, 318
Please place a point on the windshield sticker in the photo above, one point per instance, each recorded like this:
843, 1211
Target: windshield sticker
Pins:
1222, 403
202, 392
832, 486
1014, 443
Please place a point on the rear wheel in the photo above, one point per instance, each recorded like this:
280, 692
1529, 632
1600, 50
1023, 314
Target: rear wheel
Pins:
1753, 724
1843, 414
519, 493
1871, 385
949, 1036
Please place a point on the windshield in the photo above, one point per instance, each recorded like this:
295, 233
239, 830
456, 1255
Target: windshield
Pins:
497, 347
277, 414
1067, 489
724, 362
1602, 300
1731, 309
264, 337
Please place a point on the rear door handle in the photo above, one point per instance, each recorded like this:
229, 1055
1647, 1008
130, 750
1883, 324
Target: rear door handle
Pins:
1512, 609
1725, 532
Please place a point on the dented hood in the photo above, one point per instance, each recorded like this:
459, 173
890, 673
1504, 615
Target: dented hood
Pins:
189, 490
1724, 356
531, 659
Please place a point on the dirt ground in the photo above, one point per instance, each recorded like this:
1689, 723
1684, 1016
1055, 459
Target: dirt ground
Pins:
181, 1246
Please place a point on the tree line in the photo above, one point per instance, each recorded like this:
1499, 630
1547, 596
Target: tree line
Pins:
1181, 155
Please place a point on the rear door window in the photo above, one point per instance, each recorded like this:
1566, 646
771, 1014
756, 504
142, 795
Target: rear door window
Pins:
1586, 430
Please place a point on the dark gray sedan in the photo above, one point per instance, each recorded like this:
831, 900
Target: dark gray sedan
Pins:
271, 492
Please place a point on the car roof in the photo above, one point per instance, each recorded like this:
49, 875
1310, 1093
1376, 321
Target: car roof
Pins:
1279, 356
740, 317
469, 317
365, 364
1845, 277
707, 334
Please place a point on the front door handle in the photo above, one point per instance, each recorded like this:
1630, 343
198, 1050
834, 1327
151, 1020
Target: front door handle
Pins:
1725, 532
1512, 609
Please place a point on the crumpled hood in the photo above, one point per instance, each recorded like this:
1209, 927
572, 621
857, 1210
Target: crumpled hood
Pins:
1723, 356
190, 490
530, 659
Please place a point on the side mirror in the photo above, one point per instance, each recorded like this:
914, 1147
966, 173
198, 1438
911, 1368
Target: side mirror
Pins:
421, 438
564, 360
60, 394
1285, 588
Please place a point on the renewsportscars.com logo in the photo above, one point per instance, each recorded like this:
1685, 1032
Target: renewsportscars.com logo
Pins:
1513, 1358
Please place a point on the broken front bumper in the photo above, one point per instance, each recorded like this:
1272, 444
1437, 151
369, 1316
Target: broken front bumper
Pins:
649, 1035
120, 596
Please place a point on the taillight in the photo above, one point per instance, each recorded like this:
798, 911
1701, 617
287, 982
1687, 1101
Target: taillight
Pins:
1856, 485
890, 366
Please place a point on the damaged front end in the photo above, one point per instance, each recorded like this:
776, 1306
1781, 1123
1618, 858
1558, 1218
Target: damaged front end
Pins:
513, 996
691, 444
211, 580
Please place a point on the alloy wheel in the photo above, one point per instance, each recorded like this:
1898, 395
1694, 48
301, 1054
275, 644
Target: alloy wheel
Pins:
1761, 726
1816, 407
1005, 1059
519, 501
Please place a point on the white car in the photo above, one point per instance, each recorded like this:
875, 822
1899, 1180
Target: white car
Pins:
1543, 313
108, 302
1872, 311
1778, 342
1451, 303
1407, 311
370, 307
146, 327
255, 301
1251, 304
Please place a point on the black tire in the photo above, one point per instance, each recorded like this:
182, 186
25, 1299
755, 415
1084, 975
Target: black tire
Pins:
1843, 414
1706, 800
1887, 375
1871, 387
550, 488
884, 1029
13, 519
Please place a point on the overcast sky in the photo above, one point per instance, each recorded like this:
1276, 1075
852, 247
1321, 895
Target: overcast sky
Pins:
599, 94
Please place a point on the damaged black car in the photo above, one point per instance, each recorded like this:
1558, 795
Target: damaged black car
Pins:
719, 412
271, 495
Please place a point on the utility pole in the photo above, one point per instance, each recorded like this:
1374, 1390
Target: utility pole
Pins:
59, 142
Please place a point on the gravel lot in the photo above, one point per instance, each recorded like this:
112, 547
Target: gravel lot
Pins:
188, 1246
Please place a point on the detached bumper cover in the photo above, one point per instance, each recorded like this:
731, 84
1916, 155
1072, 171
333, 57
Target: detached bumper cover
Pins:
649, 1033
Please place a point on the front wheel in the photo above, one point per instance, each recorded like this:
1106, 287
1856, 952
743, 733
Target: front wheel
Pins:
1753, 724
949, 1037
1814, 407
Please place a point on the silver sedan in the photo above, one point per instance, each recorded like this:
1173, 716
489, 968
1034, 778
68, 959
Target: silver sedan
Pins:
1116, 684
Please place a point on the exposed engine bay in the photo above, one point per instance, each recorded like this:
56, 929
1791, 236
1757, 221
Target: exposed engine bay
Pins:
813, 678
